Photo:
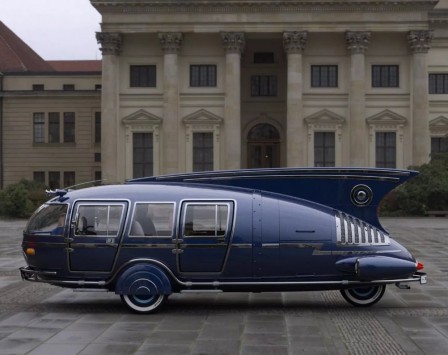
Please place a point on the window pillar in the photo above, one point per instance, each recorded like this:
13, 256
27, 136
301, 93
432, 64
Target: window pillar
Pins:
111, 44
294, 44
234, 43
357, 43
171, 44
420, 43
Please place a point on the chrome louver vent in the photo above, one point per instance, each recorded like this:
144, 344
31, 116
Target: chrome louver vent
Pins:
352, 231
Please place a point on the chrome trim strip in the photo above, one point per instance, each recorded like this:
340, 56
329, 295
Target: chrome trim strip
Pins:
44, 244
270, 245
146, 246
241, 245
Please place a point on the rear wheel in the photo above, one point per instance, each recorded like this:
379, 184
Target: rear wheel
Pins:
144, 303
364, 296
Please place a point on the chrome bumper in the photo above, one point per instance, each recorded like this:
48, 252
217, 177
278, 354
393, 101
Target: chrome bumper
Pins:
35, 275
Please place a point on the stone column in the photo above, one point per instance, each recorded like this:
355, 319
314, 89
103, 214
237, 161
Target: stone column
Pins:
294, 44
420, 43
171, 43
233, 44
111, 44
357, 43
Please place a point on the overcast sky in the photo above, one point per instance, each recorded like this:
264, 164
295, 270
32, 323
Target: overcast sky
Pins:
55, 29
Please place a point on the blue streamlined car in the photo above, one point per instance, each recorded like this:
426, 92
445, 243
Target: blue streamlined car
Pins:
244, 230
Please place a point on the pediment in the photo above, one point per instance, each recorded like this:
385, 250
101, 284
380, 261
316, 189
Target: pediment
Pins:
324, 116
141, 117
441, 122
387, 117
202, 117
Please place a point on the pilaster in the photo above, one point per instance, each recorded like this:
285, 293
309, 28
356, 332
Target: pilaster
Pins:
234, 43
294, 44
111, 45
357, 44
419, 44
171, 43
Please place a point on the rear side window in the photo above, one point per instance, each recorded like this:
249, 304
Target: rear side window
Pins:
152, 220
206, 219
99, 220
48, 219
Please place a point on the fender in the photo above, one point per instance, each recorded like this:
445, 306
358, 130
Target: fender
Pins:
376, 267
141, 279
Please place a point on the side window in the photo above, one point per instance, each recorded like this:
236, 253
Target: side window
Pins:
99, 220
206, 220
152, 220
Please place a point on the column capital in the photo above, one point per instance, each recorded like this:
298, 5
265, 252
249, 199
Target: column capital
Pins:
295, 41
111, 42
170, 41
357, 42
420, 41
234, 42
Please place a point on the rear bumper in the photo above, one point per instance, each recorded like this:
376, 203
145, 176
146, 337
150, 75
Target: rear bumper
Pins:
29, 274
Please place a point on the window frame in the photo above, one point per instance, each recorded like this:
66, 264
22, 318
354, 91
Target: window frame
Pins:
202, 163
257, 89
321, 83
54, 128
443, 89
39, 127
324, 147
388, 84
384, 166
173, 222
211, 79
138, 80
69, 128
75, 219
230, 215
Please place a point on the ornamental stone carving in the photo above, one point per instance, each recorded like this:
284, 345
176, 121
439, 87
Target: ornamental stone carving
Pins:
294, 41
234, 42
111, 42
420, 41
357, 42
170, 41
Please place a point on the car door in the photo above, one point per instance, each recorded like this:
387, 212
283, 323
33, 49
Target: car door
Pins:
95, 234
205, 234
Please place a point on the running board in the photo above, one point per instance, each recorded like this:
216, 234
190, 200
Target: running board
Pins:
201, 291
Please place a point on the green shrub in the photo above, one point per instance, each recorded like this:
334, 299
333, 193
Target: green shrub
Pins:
20, 200
426, 192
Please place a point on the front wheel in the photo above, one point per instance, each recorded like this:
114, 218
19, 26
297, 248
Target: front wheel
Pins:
364, 296
144, 304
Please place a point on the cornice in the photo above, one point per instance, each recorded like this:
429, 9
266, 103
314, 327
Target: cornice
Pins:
439, 16
232, 6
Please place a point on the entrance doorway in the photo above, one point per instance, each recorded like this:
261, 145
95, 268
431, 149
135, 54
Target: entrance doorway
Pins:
263, 147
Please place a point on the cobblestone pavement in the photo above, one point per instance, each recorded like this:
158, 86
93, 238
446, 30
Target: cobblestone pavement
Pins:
42, 319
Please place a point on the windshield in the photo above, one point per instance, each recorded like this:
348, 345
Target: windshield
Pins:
48, 219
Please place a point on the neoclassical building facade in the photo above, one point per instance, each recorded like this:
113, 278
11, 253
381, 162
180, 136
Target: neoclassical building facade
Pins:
197, 85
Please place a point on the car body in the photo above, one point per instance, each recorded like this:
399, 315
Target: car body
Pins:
244, 230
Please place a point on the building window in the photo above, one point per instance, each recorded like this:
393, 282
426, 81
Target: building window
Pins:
386, 150
385, 76
263, 57
324, 76
202, 75
68, 87
439, 145
53, 127
69, 127
38, 127
39, 176
97, 127
438, 83
143, 76
324, 149
97, 157
54, 180
98, 87
263, 85
69, 178
97, 178
202, 151
142, 154
38, 87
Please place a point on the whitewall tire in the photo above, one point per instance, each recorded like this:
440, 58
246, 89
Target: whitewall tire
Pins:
364, 296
